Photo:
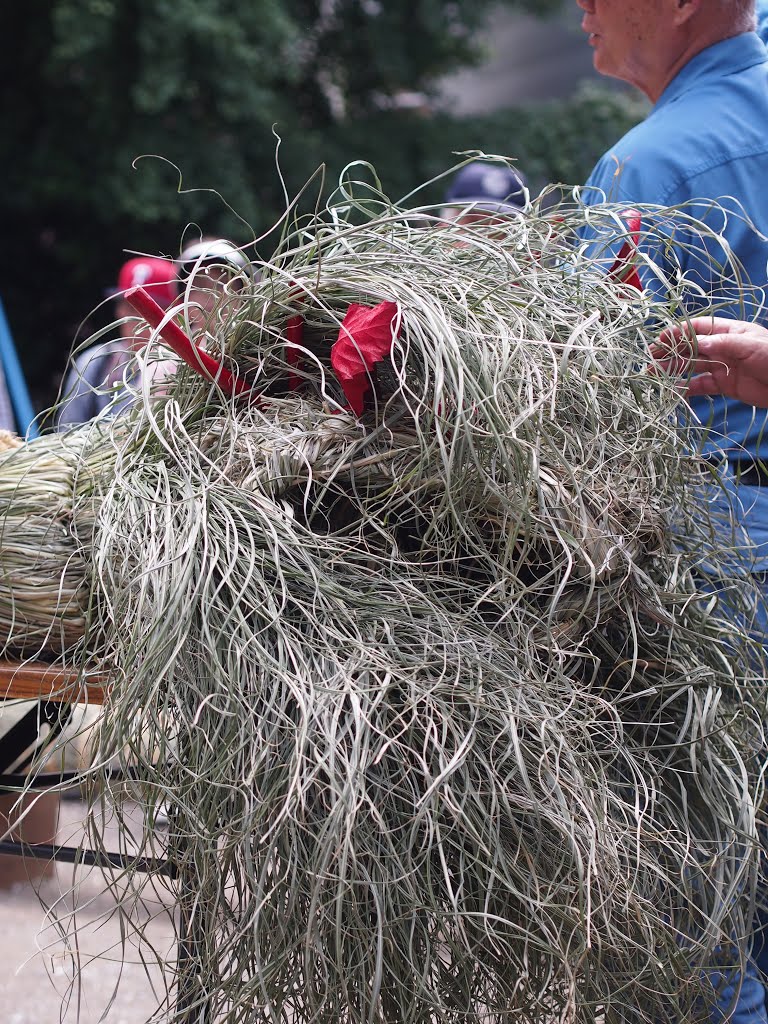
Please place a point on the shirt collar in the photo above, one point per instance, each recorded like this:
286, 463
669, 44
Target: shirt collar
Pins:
724, 58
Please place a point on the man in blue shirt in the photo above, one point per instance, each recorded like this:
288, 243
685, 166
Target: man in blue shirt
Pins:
706, 138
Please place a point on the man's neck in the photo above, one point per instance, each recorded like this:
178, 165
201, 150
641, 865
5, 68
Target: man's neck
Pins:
688, 49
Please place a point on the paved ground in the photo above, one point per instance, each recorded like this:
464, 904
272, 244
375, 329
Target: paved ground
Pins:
36, 969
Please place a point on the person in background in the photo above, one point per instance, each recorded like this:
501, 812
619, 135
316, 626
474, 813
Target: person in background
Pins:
207, 269
96, 378
483, 192
705, 70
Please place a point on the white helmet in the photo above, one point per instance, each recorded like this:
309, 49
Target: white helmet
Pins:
207, 252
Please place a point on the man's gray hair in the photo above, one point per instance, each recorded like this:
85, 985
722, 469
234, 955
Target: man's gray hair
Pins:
742, 13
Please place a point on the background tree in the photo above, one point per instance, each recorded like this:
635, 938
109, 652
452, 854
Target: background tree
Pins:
87, 86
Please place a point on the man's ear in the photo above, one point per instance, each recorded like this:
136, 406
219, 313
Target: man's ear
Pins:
683, 11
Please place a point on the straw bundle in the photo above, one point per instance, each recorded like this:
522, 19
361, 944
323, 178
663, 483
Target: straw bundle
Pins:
443, 726
44, 574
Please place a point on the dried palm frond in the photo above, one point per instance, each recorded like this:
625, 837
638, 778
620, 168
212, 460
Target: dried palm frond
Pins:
445, 726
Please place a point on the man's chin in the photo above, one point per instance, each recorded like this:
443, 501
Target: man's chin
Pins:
601, 63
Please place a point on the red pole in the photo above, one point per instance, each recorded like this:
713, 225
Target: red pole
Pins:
176, 339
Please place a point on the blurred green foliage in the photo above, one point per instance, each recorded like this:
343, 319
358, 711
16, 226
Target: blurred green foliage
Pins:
553, 142
89, 86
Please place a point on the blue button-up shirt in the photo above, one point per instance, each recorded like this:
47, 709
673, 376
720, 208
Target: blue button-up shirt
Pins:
762, 19
706, 138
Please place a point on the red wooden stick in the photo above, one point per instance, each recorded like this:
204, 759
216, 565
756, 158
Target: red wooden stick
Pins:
176, 339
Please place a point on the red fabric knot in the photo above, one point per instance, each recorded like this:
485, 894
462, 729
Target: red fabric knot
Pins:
624, 269
365, 338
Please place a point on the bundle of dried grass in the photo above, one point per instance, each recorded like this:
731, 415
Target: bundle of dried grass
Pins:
414, 655
44, 575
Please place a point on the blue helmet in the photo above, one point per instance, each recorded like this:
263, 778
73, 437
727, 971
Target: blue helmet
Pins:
488, 186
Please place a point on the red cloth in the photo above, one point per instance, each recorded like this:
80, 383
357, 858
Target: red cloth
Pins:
365, 338
624, 268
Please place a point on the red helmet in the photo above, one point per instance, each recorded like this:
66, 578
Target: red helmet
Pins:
157, 275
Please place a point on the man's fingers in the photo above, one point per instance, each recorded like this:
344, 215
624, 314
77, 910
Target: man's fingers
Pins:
682, 340
723, 348
671, 359
707, 325
701, 325
703, 384
669, 337
703, 359
658, 352
722, 357
702, 350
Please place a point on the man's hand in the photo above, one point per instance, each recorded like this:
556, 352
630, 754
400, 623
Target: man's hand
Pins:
724, 357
